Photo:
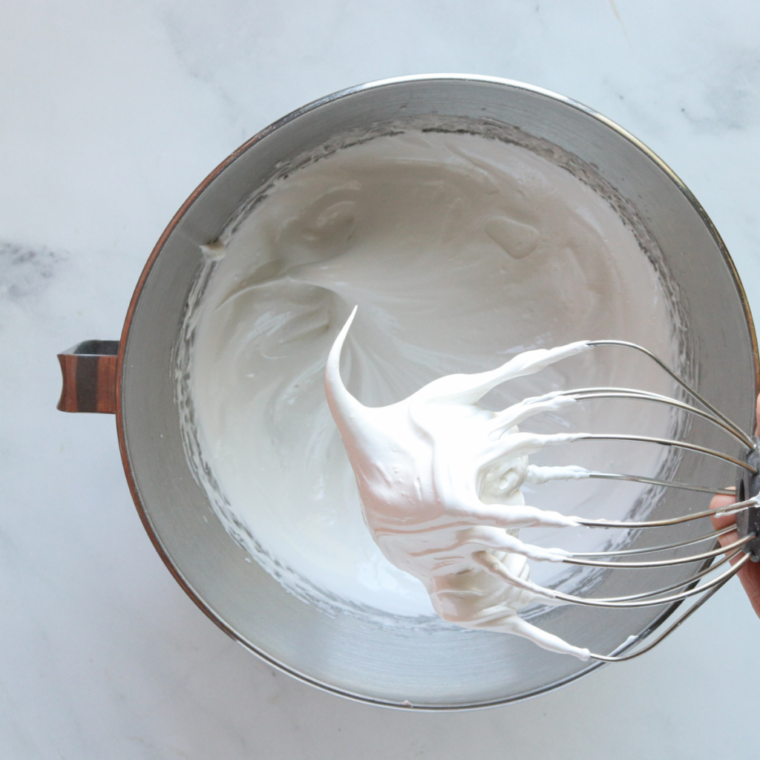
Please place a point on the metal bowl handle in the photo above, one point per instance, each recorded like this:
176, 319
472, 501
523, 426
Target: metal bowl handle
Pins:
89, 377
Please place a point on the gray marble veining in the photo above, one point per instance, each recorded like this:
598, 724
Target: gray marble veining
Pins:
111, 114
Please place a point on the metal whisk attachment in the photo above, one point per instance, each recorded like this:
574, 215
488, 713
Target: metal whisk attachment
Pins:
439, 478
711, 557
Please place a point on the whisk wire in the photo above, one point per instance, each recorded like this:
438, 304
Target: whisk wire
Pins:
683, 583
626, 603
739, 432
665, 442
728, 509
694, 607
709, 576
582, 394
574, 560
651, 549
663, 483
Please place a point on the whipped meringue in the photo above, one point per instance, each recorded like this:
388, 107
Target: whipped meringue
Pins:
439, 479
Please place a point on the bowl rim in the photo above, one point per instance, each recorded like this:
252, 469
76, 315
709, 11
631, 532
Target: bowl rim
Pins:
196, 194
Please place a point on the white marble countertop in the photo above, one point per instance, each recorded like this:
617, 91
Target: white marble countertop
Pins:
111, 115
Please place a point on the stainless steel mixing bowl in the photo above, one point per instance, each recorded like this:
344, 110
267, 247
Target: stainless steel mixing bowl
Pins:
448, 669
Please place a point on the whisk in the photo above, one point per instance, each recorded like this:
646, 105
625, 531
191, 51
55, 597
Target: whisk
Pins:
746, 509
426, 508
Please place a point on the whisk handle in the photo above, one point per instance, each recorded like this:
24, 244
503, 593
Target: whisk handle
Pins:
748, 486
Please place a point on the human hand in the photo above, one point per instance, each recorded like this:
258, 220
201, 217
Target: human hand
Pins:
749, 575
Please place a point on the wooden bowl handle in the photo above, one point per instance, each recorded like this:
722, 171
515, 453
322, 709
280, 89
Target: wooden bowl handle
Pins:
89, 377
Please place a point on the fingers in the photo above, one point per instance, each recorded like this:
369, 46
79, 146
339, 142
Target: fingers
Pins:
722, 521
749, 575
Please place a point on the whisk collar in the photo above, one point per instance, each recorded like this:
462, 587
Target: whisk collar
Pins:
747, 487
